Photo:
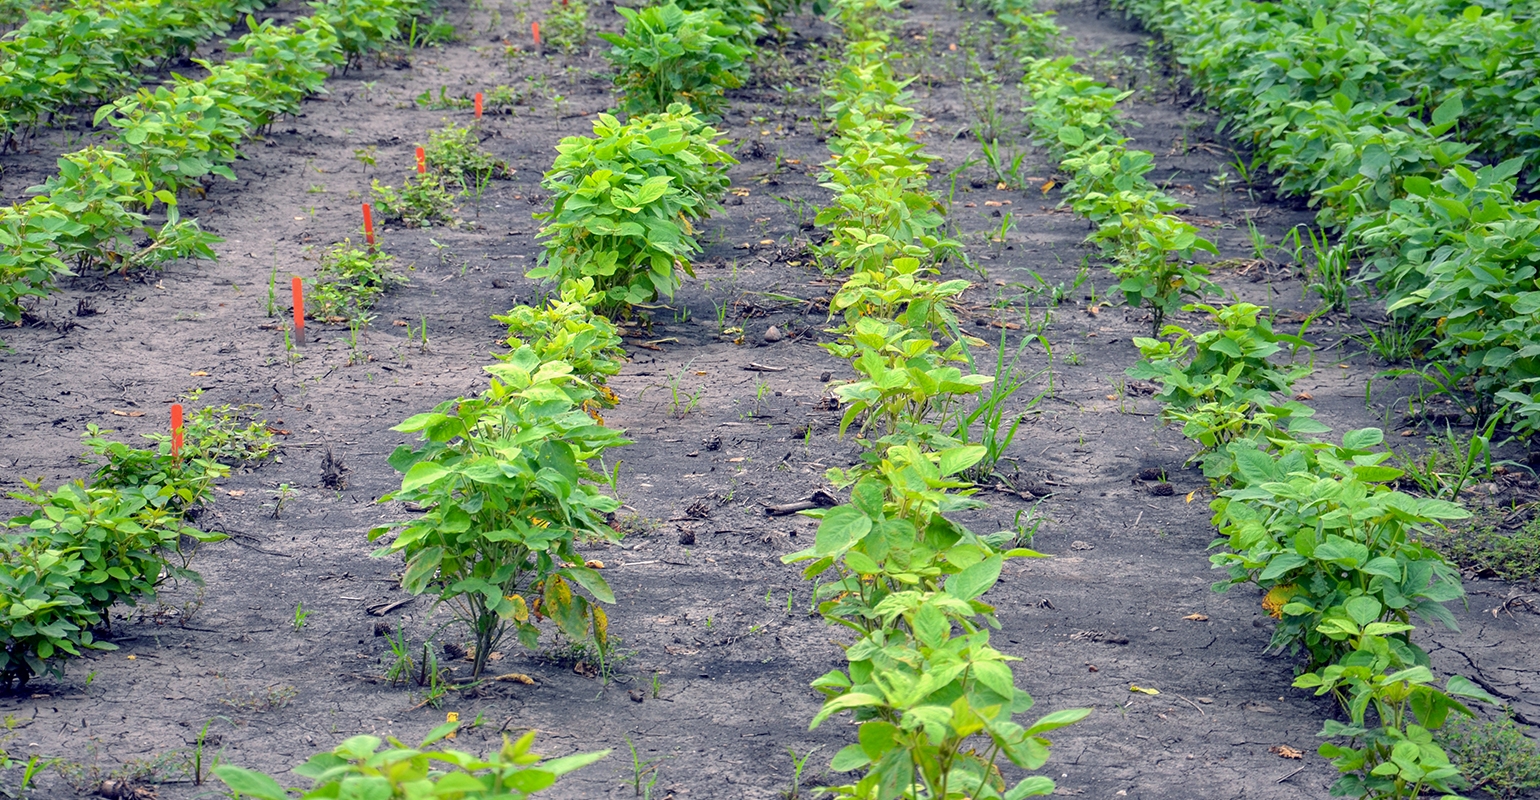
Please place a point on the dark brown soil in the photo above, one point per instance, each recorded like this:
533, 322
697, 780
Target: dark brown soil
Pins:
718, 642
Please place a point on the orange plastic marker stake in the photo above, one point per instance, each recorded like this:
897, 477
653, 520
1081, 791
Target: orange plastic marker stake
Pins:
176, 430
535, 27
478, 100
369, 224
299, 310
422, 159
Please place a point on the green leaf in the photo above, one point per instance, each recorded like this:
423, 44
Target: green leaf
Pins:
850, 757
421, 474
1363, 609
841, 527
1377, 474
1362, 438
1058, 719
844, 701
591, 580
931, 626
996, 676
245, 782
975, 580
1461, 686
956, 459
1448, 112
421, 569
1281, 564
1031, 786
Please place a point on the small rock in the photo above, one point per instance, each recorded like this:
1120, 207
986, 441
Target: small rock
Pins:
687, 537
825, 376
773, 334
499, 283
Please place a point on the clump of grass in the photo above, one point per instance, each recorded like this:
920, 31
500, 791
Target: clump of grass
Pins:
1495, 755
1490, 552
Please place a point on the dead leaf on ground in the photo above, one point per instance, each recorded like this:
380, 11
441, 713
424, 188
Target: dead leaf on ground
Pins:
117, 413
1304, 396
594, 563
1285, 751
199, 374
1197, 617
236, 492
516, 677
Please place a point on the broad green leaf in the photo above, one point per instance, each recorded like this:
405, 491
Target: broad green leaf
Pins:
841, 527
1058, 719
249, 783
975, 580
421, 474
844, 701
1448, 112
1363, 609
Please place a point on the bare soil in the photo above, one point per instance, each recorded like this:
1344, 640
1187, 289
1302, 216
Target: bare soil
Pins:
718, 641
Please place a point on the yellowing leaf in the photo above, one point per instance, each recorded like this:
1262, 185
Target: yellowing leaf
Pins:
1196, 617
1142, 690
1048, 185
516, 677
1191, 494
199, 374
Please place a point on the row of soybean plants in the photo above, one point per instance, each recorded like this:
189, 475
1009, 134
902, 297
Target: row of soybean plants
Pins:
1313, 524
118, 536
88, 53
513, 477
935, 703
1408, 55
1447, 240
96, 212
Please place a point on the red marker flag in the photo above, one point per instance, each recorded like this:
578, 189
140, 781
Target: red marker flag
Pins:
298, 287
176, 430
478, 103
369, 224
422, 158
